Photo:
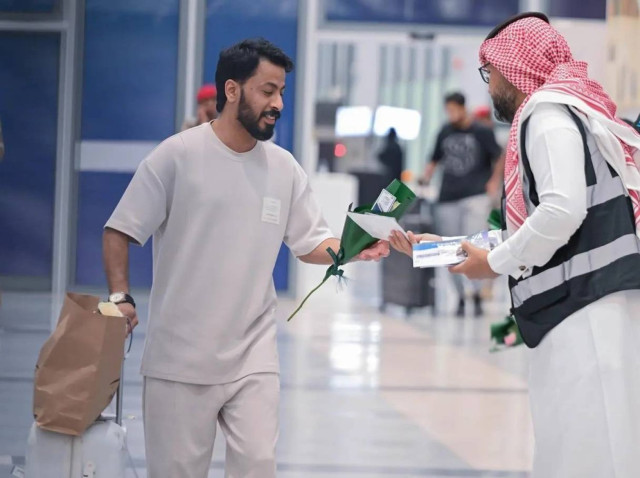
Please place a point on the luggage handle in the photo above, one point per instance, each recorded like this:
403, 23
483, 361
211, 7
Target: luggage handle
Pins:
119, 393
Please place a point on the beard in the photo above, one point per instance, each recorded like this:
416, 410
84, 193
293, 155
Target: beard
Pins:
504, 105
251, 122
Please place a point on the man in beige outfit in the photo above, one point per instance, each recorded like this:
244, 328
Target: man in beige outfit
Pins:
219, 201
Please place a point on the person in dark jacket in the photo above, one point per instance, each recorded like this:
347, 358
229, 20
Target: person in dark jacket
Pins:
391, 155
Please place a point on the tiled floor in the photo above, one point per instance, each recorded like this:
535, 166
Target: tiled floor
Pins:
364, 394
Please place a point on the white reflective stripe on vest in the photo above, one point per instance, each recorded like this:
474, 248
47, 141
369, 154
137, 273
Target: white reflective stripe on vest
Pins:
607, 186
578, 265
604, 191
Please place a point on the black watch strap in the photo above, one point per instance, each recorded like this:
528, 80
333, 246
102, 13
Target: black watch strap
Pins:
122, 298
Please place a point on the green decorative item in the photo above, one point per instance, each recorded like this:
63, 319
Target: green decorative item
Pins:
354, 239
495, 219
505, 334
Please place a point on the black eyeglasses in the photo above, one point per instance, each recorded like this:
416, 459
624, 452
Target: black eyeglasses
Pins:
484, 72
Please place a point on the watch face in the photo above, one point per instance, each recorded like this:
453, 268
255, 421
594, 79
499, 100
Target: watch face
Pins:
116, 298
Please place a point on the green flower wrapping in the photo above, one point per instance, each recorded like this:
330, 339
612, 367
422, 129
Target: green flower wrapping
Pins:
495, 219
354, 239
505, 334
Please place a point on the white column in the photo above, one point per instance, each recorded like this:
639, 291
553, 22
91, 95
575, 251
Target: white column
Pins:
190, 67
534, 5
305, 146
65, 187
366, 77
190, 58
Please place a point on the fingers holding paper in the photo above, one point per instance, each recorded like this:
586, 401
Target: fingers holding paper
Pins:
405, 244
476, 265
402, 243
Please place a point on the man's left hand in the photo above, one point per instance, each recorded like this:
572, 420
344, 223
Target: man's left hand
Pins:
376, 252
476, 265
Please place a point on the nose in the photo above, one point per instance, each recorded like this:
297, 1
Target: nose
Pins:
277, 103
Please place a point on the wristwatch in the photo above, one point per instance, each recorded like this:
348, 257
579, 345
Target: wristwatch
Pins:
121, 298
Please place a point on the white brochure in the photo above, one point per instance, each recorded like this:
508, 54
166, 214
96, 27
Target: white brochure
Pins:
448, 252
376, 226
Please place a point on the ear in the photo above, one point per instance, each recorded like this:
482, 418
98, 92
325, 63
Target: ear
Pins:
232, 91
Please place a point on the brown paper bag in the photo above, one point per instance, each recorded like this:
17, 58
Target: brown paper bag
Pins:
78, 370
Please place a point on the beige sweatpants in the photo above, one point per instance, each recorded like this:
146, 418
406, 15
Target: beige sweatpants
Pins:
180, 426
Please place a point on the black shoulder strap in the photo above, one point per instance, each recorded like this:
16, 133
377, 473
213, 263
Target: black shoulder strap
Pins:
589, 170
533, 195
588, 164
503, 209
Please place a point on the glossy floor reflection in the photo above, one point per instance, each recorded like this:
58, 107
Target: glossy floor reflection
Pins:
364, 394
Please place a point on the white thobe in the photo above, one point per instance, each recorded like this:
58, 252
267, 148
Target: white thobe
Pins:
584, 381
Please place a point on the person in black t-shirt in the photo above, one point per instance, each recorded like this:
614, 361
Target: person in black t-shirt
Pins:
466, 151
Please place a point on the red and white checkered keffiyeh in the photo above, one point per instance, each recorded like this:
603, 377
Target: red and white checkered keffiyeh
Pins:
535, 58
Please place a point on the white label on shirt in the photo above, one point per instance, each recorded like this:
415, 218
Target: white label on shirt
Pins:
271, 210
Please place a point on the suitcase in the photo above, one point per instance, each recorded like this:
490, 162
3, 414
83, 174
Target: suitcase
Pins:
401, 283
100, 452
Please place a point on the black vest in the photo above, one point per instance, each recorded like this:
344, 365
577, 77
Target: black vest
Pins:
602, 257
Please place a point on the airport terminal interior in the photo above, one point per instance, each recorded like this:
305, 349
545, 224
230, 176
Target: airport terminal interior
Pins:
389, 371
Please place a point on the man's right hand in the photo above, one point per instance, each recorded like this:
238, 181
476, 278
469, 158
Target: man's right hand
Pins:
404, 245
129, 311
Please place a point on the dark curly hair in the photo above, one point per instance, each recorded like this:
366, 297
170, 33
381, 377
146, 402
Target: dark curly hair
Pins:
240, 61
